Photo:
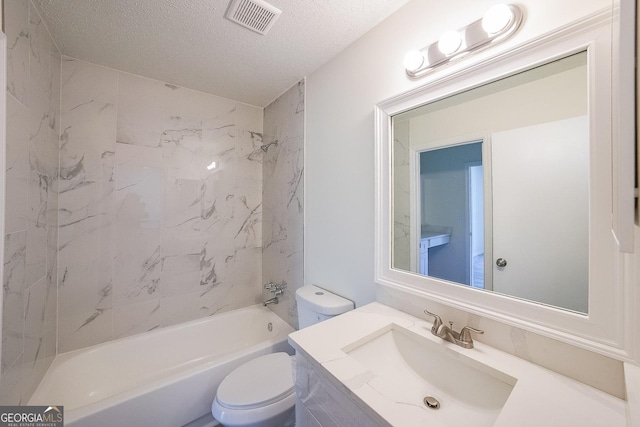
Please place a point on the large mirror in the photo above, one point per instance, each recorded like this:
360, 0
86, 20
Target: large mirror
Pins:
495, 187
491, 186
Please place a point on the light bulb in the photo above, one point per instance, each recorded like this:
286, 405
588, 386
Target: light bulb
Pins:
497, 18
413, 60
450, 42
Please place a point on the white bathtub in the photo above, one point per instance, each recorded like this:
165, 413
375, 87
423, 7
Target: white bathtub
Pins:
167, 377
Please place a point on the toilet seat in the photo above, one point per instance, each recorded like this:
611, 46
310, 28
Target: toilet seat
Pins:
259, 382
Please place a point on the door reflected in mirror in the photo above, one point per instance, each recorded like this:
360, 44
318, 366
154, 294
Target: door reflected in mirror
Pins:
490, 186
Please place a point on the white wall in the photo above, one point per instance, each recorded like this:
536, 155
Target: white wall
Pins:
339, 152
556, 96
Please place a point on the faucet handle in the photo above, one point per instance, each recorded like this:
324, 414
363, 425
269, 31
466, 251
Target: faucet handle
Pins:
275, 288
465, 333
436, 323
280, 288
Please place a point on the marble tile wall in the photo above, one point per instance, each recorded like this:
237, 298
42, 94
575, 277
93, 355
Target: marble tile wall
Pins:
31, 216
401, 196
283, 175
150, 234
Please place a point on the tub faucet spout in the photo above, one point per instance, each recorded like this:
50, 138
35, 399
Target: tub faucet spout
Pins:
273, 300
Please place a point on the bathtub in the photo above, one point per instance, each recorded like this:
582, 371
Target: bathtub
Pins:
167, 377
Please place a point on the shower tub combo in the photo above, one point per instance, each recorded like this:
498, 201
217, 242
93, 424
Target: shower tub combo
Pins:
166, 377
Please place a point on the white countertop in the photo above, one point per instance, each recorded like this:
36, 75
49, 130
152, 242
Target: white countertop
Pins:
539, 398
432, 235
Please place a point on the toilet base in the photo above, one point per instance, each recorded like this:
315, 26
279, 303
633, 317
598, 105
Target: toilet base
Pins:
278, 414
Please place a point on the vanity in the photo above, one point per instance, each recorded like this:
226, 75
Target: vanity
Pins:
377, 365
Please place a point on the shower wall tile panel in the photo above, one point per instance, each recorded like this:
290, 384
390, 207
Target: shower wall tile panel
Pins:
16, 19
86, 209
30, 254
283, 200
149, 235
401, 196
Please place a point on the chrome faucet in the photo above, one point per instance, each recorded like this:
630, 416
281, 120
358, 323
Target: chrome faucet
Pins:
273, 300
462, 338
275, 289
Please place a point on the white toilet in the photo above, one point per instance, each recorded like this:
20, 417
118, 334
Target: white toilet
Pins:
261, 391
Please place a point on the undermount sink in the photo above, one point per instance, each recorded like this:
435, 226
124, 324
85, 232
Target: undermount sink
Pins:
410, 368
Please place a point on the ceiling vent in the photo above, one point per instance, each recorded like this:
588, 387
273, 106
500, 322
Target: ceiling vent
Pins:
256, 15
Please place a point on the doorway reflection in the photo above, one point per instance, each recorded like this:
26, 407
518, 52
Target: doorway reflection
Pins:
452, 214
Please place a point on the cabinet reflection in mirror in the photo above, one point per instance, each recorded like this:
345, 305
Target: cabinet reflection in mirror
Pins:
491, 186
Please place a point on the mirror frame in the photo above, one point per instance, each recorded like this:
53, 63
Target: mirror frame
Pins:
607, 328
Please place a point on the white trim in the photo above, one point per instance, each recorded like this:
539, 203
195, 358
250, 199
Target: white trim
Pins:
469, 220
488, 211
415, 207
624, 130
606, 329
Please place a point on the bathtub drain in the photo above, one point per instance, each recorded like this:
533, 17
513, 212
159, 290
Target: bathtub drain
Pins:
431, 402
270, 326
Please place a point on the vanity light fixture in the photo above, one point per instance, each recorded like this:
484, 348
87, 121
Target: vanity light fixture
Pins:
499, 23
413, 60
450, 42
497, 18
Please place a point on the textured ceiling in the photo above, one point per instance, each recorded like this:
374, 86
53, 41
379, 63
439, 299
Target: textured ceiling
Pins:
190, 44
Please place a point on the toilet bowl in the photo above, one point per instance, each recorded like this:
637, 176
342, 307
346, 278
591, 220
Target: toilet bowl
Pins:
258, 393
261, 391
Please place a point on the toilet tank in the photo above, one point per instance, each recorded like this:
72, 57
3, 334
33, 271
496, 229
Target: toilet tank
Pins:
316, 304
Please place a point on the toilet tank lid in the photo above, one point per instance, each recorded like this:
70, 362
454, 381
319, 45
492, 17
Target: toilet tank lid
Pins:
322, 301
